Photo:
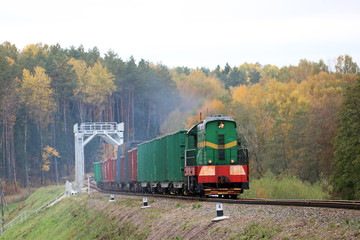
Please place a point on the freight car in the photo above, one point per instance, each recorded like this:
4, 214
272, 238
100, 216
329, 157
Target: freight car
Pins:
206, 160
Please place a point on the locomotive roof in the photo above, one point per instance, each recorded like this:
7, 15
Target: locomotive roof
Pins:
203, 123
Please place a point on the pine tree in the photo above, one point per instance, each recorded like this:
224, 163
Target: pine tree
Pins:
346, 177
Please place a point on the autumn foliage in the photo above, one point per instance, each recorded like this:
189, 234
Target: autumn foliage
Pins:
287, 117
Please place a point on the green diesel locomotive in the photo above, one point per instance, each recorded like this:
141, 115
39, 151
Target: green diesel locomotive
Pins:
206, 160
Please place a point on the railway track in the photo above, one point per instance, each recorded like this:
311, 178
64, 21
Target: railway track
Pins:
342, 204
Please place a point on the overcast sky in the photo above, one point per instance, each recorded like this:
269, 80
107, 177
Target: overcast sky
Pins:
192, 33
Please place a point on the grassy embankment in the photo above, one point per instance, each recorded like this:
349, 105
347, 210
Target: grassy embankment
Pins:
60, 221
20, 202
73, 218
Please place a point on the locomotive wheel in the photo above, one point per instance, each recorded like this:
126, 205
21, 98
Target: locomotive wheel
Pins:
234, 196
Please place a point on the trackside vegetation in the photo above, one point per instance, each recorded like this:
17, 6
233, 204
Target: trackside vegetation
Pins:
286, 186
83, 217
65, 220
35, 201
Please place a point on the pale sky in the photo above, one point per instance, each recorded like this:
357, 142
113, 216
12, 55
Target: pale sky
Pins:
192, 33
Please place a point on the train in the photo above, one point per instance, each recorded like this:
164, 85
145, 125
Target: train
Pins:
208, 159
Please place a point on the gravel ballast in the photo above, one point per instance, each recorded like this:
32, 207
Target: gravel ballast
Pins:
187, 219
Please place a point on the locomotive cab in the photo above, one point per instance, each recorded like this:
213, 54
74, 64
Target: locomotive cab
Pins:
216, 164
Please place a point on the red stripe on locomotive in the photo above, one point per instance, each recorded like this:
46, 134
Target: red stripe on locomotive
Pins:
220, 170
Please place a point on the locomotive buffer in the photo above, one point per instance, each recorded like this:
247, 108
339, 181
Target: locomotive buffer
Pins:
111, 132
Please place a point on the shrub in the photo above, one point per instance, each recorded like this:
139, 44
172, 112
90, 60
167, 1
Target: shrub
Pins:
285, 187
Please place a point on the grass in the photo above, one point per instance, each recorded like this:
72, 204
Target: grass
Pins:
196, 206
285, 187
73, 219
69, 220
33, 202
255, 231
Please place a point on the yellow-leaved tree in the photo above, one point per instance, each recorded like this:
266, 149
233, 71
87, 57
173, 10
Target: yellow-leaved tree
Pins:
32, 50
213, 107
197, 90
37, 95
47, 153
94, 85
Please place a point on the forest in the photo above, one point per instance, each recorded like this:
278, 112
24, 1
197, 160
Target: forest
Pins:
302, 120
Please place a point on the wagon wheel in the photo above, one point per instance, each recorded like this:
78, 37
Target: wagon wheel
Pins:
234, 196
148, 188
158, 188
171, 189
165, 190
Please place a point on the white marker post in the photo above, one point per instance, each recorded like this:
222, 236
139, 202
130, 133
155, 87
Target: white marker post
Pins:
145, 203
219, 213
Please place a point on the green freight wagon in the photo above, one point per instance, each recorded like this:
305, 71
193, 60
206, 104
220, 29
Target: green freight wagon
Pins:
97, 171
176, 156
161, 161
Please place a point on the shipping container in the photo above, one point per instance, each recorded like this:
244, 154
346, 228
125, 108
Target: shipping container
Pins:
125, 163
133, 165
162, 159
146, 166
118, 165
97, 171
104, 171
142, 177
129, 153
176, 156
122, 170
112, 171
126, 167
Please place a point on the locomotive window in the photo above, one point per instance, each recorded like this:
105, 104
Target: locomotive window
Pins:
221, 143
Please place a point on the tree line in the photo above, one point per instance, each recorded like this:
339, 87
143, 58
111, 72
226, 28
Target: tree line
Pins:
294, 120
45, 90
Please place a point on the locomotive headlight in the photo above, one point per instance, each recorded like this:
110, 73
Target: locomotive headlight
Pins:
210, 161
232, 161
221, 125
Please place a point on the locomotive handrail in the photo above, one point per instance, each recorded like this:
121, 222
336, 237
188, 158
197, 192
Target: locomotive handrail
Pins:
204, 156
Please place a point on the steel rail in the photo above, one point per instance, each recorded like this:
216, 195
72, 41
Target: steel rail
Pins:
340, 204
